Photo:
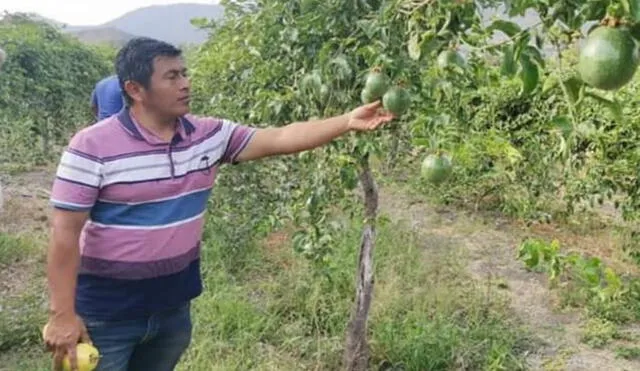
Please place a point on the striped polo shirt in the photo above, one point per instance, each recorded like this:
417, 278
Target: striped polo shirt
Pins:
140, 248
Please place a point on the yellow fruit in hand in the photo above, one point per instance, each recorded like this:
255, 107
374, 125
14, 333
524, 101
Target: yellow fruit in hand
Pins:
87, 356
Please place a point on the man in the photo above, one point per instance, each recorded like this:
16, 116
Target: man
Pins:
140, 181
106, 98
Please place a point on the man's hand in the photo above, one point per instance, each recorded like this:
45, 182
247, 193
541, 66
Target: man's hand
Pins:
62, 334
368, 117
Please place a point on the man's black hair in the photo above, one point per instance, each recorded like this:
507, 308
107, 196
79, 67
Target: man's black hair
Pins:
135, 61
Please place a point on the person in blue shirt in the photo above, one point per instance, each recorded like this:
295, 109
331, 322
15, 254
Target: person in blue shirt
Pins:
106, 98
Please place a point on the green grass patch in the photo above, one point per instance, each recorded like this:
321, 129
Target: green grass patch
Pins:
14, 249
22, 295
277, 313
21, 318
31, 358
265, 308
630, 353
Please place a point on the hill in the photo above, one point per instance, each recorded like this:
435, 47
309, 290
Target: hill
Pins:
103, 35
171, 23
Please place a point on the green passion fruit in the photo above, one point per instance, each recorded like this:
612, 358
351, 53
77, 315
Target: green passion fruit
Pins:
436, 168
375, 85
450, 57
366, 96
609, 58
396, 100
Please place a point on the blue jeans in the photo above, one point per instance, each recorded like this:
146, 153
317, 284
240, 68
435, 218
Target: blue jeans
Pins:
153, 343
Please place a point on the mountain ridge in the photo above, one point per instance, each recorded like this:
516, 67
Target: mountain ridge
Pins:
170, 23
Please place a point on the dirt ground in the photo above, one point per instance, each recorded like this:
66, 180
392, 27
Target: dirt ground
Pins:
492, 248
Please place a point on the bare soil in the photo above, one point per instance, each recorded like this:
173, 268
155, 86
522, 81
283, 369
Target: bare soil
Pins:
24, 212
492, 251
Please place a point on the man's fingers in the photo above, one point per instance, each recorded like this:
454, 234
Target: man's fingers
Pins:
73, 360
373, 105
375, 123
58, 356
381, 112
84, 336
48, 347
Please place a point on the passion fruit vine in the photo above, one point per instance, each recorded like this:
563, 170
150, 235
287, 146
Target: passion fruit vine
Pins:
436, 168
609, 58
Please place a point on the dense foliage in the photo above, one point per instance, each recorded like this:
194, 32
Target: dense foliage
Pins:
522, 129
45, 86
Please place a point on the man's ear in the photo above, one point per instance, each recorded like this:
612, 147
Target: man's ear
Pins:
134, 90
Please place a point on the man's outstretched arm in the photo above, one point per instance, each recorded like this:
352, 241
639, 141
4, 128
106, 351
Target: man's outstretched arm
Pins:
302, 136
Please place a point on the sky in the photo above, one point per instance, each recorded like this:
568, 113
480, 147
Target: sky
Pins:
84, 12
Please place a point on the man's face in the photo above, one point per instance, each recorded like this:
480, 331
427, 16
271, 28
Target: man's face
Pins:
169, 91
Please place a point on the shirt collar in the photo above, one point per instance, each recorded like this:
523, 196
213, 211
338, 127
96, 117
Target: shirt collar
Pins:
137, 131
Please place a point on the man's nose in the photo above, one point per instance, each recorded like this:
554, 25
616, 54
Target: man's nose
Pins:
185, 83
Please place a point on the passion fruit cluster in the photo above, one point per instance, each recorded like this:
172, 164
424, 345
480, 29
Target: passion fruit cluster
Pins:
436, 167
395, 99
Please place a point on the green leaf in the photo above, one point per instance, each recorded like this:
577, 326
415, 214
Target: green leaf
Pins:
349, 177
420, 142
413, 46
563, 123
538, 41
509, 67
342, 69
634, 10
573, 86
534, 53
529, 74
634, 29
549, 83
508, 27
612, 105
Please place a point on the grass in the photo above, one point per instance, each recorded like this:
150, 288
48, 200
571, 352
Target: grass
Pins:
265, 308
22, 303
275, 312
15, 249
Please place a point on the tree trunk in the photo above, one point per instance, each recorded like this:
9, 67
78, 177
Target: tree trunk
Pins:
356, 356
